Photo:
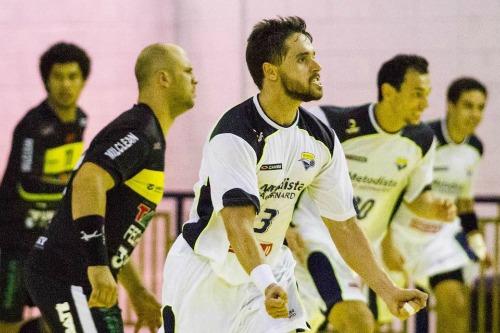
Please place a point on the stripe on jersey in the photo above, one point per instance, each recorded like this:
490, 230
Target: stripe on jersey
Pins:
63, 158
82, 309
149, 184
29, 196
204, 209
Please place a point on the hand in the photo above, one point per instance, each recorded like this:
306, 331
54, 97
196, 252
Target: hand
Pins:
445, 209
104, 288
276, 301
147, 309
398, 297
296, 244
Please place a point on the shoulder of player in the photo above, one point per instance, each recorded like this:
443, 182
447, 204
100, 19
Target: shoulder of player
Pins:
421, 134
476, 143
437, 129
33, 120
349, 122
316, 128
244, 122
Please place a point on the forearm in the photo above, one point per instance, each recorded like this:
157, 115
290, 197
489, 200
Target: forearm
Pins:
356, 251
239, 227
129, 278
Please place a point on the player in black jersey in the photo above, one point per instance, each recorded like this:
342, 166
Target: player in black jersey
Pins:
46, 145
72, 271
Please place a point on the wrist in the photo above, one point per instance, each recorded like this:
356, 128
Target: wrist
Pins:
262, 276
91, 234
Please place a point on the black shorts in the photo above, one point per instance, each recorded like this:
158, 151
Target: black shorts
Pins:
13, 294
456, 275
65, 307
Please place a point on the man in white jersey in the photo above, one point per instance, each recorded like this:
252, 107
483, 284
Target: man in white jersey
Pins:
390, 157
435, 253
229, 270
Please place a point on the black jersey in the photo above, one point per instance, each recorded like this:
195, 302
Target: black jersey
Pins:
131, 149
44, 151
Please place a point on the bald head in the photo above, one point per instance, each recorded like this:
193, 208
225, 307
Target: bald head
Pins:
153, 58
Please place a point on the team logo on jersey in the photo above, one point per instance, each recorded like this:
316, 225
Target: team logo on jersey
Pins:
275, 166
353, 127
401, 163
307, 160
47, 130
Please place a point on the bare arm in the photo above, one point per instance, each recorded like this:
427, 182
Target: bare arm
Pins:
429, 207
356, 251
145, 305
89, 191
238, 221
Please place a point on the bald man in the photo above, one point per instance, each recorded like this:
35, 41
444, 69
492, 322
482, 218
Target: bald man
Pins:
74, 267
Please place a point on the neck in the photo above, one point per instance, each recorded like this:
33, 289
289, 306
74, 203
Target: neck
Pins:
454, 132
279, 107
64, 114
387, 119
161, 110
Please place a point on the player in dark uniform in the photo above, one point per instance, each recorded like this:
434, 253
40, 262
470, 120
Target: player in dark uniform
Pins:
46, 145
72, 271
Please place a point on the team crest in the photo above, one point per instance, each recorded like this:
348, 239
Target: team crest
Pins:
401, 163
353, 127
307, 160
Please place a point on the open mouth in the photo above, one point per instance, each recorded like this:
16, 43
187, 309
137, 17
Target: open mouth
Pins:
315, 80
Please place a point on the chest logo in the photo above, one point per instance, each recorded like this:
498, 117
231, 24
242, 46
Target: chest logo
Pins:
275, 166
401, 163
307, 160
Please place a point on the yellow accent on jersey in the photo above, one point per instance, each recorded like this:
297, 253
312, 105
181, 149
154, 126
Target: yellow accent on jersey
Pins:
149, 184
28, 196
62, 159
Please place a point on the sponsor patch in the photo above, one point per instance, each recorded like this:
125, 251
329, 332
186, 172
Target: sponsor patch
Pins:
307, 160
401, 163
275, 166
121, 146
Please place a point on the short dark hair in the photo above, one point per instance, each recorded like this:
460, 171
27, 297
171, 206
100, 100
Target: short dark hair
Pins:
462, 84
266, 43
62, 53
393, 71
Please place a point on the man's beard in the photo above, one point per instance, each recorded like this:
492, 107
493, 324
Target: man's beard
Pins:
296, 90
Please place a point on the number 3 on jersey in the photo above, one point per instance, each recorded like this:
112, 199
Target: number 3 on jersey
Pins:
266, 221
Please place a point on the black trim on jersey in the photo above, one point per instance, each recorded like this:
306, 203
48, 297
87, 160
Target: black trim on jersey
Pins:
437, 127
349, 122
421, 134
245, 122
316, 128
238, 197
204, 209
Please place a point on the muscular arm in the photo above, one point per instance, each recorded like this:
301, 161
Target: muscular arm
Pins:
356, 251
89, 189
238, 221
429, 207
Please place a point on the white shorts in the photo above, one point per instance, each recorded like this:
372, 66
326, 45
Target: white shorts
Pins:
203, 302
439, 254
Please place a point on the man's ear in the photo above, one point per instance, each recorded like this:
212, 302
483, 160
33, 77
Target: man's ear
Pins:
270, 71
163, 78
388, 91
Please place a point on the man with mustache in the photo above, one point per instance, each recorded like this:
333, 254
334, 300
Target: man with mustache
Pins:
46, 145
390, 158
229, 271
435, 252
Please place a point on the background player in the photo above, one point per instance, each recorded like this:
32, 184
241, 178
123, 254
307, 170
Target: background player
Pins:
434, 251
229, 266
108, 204
46, 145
390, 158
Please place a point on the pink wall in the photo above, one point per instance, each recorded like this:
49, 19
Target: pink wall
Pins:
352, 39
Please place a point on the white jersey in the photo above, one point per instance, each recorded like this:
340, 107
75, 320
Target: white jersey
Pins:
385, 168
251, 160
454, 167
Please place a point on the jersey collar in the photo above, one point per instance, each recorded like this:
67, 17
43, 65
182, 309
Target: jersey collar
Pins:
446, 135
269, 120
373, 120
